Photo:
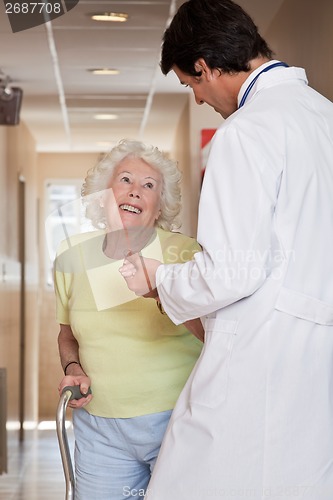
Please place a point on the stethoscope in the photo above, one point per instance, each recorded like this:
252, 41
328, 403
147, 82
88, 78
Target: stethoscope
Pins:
249, 88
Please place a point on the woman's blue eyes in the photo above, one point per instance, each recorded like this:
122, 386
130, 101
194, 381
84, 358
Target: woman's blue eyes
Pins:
127, 180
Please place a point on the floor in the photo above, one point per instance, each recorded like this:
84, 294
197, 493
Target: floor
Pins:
35, 469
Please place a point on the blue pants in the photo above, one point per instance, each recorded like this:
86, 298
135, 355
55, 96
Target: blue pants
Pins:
114, 457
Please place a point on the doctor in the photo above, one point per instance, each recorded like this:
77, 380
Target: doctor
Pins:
255, 419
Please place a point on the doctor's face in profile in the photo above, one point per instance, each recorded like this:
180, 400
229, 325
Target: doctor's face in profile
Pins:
212, 87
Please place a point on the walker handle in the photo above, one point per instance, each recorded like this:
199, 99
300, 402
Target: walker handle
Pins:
75, 392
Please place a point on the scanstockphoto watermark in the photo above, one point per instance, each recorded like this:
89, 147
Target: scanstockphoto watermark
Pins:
266, 493
129, 492
226, 254
26, 14
228, 264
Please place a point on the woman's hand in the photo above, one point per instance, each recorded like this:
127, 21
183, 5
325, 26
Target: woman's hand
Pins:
84, 382
140, 274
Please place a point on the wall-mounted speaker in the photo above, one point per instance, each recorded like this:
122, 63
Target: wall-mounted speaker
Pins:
10, 105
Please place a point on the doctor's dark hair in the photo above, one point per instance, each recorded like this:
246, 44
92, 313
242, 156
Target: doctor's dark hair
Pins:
98, 178
219, 31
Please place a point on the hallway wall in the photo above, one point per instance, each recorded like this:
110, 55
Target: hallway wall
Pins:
301, 35
180, 153
18, 160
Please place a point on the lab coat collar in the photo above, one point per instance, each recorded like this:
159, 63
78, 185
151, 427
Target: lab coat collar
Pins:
273, 76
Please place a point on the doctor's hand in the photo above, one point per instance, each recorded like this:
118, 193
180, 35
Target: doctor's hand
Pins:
140, 274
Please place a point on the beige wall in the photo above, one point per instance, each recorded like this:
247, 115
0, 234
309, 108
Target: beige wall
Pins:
301, 35
18, 160
9, 287
181, 155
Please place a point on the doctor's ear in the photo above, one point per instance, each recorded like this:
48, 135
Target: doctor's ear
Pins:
201, 66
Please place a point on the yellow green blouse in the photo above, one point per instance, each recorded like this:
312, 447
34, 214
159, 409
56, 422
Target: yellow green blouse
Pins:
137, 359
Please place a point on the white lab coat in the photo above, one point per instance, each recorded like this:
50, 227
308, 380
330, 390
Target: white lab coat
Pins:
255, 419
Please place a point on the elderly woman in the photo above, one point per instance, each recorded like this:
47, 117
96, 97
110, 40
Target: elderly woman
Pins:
130, 353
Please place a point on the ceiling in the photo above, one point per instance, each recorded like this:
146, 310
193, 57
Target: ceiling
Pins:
51, 63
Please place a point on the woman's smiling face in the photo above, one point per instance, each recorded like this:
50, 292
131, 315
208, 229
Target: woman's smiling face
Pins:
136, 188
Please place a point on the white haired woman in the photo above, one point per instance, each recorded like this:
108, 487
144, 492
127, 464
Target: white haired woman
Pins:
130, 353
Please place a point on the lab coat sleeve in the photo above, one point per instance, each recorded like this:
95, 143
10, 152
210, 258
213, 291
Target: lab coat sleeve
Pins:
235, 228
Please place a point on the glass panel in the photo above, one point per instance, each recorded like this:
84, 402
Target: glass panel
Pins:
65, 215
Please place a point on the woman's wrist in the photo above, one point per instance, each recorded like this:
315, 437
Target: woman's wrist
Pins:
71, 364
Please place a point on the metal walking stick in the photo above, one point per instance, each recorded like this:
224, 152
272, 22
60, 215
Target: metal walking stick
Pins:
68, 393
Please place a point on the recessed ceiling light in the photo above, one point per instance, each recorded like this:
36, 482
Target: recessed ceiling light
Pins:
117, 17
105, 116
104, 71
